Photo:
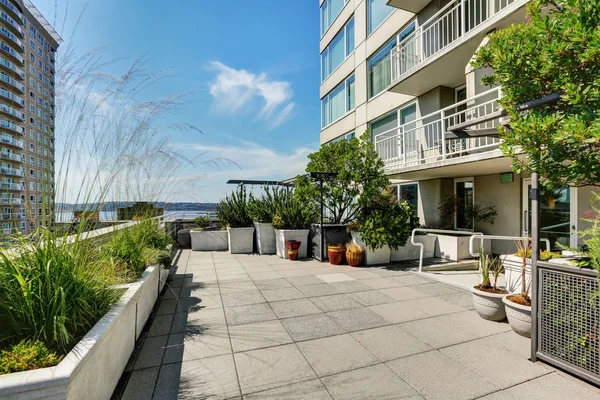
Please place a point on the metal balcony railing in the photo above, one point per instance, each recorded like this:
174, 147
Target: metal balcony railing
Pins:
7, 64
6, 94
5, 108
12, 82
7, 49
425, 140
6, 124
10, 201
12, 23
10, 186
452, 23
11, 37
12, 171
9, 4
7, 155
12, 141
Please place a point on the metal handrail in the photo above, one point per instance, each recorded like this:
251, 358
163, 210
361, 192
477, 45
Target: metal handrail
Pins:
422, 248
495, 237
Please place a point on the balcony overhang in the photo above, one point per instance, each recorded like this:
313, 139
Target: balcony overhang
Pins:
413, 6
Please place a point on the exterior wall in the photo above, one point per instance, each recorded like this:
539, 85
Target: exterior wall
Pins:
431, 193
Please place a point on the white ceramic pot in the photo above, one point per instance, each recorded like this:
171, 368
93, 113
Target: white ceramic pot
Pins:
265, 238
519, 317
372, 257
284, 235
209, 240
489, 305
241, 240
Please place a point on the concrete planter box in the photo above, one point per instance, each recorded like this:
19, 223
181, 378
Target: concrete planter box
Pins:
209, 240
241, 240
412, 252
265, 238
184, 240
456, 248
283, 235
379, 256
334, 234
93, 368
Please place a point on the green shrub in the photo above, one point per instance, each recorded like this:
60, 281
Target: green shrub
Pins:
126, 247
53, 290
262, 209
293, 214
157, 257
203, 222
151, 234
233, 210
25, 356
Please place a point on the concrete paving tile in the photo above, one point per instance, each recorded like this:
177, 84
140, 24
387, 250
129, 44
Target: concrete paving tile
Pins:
171, 292
357, 319
141, 384
437, 289
207, 342
403, 293
198, 321
152, 352
311, 327
288, 273
391, 342
167, 307
390, 272
513, 342
508, 368
258, 335
237, 287
371, 298
435, 306
265, 275
204, 299
309, 390
331, 278
272, 367
471, 322
411, 279
188, 304
336, 354
553, 387
294, 308
324, 289
249, 314
350, 286
438, 377
461, 299
286, 293
335, 302
437, 333
501, 395
362, 275
304, 280
242, 298
208, 378
233, 277
375, 382
398, 312
161, 325
381, 283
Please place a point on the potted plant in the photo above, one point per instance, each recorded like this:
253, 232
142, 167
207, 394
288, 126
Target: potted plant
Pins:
233, 211
518, 306
487, 297
335, 253
292, 222
261, 210
208, 238
354, 254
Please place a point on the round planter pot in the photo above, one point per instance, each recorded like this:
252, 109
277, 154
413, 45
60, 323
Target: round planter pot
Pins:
293, 246
519, 317
336, 254
490, 306
354, 259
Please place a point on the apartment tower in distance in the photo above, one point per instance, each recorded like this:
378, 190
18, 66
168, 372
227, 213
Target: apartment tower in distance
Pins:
401, 68
27, 68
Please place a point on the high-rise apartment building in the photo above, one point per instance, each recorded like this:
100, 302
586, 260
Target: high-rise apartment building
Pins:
401, 68
28, 45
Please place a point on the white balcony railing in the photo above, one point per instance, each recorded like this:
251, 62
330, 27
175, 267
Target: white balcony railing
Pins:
8, 155
452, 23
10, 201
425, 140
12, 82
10, 186
12, 141
7, 64
5, 108
12, 171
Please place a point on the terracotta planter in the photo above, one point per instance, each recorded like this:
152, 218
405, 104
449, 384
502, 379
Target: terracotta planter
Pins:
292, 248
354, 259
336, 254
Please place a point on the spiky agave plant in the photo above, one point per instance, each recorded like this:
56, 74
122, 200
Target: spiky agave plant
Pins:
233, 209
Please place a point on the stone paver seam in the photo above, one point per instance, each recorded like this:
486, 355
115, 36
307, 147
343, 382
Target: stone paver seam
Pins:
512, 386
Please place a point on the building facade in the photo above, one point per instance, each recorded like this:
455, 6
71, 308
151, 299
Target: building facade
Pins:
28, 45
401, 68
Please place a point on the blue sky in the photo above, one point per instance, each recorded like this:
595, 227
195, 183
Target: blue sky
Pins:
254, 70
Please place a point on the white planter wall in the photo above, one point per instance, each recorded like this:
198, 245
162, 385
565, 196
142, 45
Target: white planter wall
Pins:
209, 240
241, 240
456, 248
265, 238
284, 235
513, 273
412, 252
93, 368
379, 256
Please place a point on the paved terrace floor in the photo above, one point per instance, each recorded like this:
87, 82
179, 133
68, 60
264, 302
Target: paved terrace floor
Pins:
258, 327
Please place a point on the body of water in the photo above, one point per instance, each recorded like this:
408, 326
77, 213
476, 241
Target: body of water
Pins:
67, 216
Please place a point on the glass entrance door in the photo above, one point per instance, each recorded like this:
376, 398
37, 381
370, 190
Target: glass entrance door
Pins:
555, 215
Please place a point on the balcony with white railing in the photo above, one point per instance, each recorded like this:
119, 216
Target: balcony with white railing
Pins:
11, 8
12, 67
423, 143
436, 53
12, 171
5, 33
413, 6
9, 155
6, 124
12, 24
12, 52
12, 97
11, 186
12, 82
6, 109
10, 201
7, 139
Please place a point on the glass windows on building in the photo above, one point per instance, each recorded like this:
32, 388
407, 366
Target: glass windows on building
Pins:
410, 192
377, 12
329, 12
338, 50
380, 64
464, 195
338, 102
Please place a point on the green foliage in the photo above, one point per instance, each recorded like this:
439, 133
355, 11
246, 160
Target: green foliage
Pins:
53, 290
150, 233
233, 210
278, 222
27, 355
152, 256
453, 205
262, 209
203, 222
546, 255
360, 175
556, 51
292, 214
591, 235
490, 268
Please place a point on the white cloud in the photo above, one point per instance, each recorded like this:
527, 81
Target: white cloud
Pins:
235, 90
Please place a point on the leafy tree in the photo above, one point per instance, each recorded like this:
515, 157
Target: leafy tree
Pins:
557, 51
360, 175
